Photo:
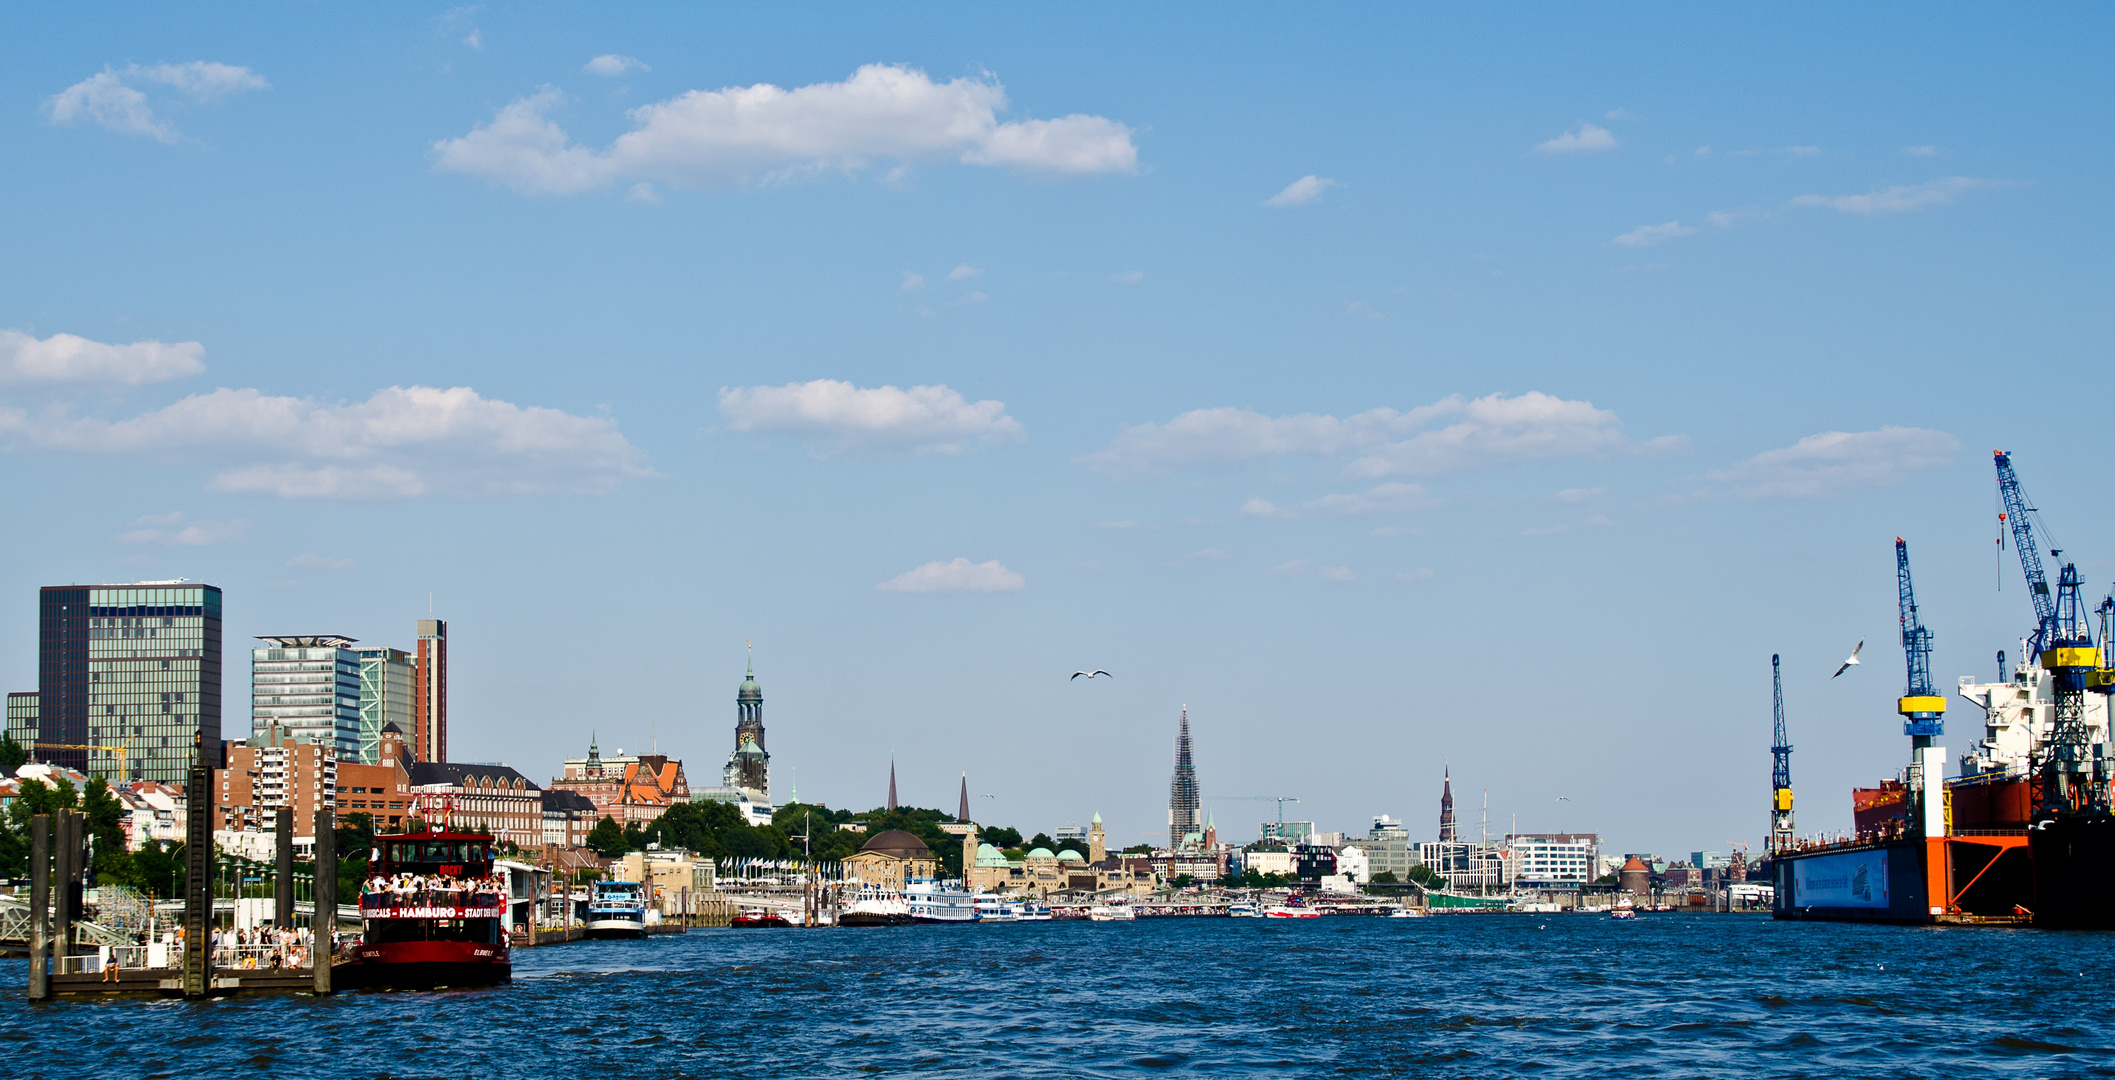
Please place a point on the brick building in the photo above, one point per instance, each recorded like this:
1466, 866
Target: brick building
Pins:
381, 790
275, 772
494, 798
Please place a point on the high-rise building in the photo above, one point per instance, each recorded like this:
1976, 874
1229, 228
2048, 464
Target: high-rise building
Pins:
1183, 799
128, 679
386, 693
430, 678
269, 770
308, 686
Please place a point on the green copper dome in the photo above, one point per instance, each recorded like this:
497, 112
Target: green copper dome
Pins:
749, 690
1041, 853
988, 855
1070, 856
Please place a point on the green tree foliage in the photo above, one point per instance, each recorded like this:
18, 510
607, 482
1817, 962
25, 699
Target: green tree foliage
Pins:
355, 837
36, 797
1182, 881
1385, 877
12, 756
607, 839
634, 837
1139, 849
1000, 837
1252, 879
925, 825
828, 840
717, 830
1426, 876
158, 868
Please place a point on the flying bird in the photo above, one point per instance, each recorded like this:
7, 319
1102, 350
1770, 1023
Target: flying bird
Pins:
1561, 798
1851, 662
1090, 674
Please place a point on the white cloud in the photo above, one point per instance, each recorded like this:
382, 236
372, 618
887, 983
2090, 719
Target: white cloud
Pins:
1128, 277
912, 282
475, 39
1202, 555
1292, 567
1476, 434
67, 358
1393, 497
643, 192
1837, 462
1891, 200
1263, 508
964, 272
922, 419
1589, 137
1652, 235
112, 98
960, 575
763, 133
1579, 495
313, 561
169, 530
1337, 573
1304, 190
613, 64
402, 441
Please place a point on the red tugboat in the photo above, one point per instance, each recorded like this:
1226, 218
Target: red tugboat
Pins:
432, 912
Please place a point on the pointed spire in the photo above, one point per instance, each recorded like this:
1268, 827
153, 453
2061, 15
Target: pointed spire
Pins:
892, 784
963, 814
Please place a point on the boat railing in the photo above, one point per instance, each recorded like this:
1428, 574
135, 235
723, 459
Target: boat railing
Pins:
457, 898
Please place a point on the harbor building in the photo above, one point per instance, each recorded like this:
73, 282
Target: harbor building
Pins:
430, 693
128, 679
891, 859
1184, 799
486, 796
568, 817
380, 789
387, 688
308, 686
272, 769
626, 788
1552, 860
1387, 849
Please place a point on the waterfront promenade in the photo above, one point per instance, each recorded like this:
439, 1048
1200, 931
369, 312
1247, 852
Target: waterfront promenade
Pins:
1505, 995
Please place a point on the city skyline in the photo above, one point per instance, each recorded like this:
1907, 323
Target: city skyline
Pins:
1414, 387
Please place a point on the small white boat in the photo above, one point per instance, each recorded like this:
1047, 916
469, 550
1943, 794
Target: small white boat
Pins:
1032, 912
992, 909
1282, 911
1111, 913
1407, 913
616, 909
1245, 909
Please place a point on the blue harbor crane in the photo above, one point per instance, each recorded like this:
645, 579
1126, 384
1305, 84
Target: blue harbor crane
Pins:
1781, 831
2021, 516
2072, 769
1923, 709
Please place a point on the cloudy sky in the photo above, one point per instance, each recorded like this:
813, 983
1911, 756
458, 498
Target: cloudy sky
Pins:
1397, 391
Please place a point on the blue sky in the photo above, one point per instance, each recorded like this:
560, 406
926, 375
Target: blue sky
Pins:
1393, 388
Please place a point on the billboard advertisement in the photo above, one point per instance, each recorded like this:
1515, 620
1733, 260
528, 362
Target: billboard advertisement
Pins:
1856, 879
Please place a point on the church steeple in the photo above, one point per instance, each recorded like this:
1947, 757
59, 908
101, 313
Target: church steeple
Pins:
892, 785
749, 767
1446, 806
1183, 799
963, 814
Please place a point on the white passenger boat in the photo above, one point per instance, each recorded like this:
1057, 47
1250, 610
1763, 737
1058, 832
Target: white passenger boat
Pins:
1286, 911
1114, 912
616, 909
990, 908
1407, 913
1033, 912
875, 907
1245, 909
940, 902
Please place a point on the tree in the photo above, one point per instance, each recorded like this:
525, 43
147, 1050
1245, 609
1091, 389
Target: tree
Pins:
158, 868
1043, 840
1426, 876
1385, 877
12, 756
1182, 881
634, 837
606, 839
1139, 849
1000, 837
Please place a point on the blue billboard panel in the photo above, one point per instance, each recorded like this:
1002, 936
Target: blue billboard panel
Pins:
1850, 879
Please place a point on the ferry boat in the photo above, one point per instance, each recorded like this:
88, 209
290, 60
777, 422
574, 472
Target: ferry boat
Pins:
874, 907
1407, 912
940, 902
990, 908
431, 912
1245, 909
1031, 911
616, 909
1289, 911
1112, 912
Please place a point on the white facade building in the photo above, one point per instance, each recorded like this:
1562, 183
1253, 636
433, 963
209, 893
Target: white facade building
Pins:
1546, 859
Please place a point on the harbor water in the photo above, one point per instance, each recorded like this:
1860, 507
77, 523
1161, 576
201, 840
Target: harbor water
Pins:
1458, 996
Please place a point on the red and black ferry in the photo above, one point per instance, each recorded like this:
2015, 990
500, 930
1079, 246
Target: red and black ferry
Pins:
432, 912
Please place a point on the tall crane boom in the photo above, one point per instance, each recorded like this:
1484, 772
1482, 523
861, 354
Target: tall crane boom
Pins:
2020, 515
1923, 709
1781, 831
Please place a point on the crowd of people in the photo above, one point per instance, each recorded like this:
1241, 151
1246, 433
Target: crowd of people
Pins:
263, 948
433, 890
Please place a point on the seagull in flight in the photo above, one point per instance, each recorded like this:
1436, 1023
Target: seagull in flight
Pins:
1090, 674
1851, 662
1562, 798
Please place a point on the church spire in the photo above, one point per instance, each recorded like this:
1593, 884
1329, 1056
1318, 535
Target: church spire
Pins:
1446, 806
892, 785
963, 814
1183, 800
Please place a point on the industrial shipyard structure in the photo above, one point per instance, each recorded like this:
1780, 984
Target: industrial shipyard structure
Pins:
2024, 834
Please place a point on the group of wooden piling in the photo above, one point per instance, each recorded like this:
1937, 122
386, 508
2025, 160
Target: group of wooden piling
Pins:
58, 869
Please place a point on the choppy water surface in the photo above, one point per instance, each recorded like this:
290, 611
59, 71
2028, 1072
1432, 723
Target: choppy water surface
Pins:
1469, 996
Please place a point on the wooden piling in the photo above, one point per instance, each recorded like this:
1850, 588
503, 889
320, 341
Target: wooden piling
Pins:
283, 869
66, 886
39, 907
198, 881
323, 927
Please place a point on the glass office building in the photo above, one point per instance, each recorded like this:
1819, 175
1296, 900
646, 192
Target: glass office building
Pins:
386, 682
128, 679
307, 685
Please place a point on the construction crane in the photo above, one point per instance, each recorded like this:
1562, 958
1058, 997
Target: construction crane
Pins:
1923, 709
1780, 768
2068, 778
2022, 517
1281, 800
120, 751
